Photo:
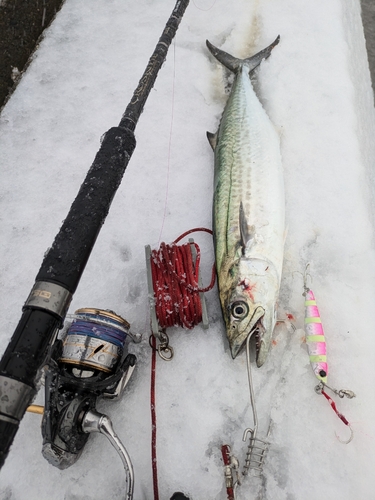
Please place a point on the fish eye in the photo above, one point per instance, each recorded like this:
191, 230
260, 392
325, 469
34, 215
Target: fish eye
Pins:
239, 309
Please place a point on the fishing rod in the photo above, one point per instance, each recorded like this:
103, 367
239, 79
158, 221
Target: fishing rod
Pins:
47, 304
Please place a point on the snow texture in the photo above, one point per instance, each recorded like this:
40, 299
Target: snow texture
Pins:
316, 89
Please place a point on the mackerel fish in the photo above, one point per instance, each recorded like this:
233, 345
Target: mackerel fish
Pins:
248, 210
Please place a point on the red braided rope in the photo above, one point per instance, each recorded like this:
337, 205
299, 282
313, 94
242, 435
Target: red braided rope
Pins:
153, 421
175, 283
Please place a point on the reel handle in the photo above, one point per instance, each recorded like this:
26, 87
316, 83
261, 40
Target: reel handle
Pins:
94, 421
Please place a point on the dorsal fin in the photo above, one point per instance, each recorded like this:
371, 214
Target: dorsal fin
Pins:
212, 139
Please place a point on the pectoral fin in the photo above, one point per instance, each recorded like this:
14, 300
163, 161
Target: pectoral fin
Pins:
247, 232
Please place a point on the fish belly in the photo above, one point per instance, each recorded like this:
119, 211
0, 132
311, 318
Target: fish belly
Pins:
248, 170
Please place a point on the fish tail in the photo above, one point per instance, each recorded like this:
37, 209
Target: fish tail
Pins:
234, 63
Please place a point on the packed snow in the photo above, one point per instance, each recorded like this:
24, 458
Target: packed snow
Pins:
316, 89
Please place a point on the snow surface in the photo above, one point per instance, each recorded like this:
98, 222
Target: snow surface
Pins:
316, 89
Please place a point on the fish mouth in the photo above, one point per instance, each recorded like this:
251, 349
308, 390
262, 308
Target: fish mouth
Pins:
253, 328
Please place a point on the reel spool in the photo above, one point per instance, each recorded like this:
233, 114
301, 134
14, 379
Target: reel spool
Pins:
90, 362
176, 295
95, 340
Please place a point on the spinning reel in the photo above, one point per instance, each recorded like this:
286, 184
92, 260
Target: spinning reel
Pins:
90, 362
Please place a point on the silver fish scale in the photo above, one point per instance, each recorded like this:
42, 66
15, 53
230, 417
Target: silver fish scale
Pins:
248, 170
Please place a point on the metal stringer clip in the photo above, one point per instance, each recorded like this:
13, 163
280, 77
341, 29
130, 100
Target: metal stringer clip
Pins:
257, 448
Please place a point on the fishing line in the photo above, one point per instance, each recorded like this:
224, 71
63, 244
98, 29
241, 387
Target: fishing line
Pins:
95, 339
109, 334
170, 142
204, 10
175, 277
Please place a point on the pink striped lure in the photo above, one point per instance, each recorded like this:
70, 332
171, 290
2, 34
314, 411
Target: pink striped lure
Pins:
315, 339
317, 349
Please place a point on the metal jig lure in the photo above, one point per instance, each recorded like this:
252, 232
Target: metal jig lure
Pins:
317, 350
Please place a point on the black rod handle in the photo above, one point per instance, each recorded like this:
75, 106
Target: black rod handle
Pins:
66, 259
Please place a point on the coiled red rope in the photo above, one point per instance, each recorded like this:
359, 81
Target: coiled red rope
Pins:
175, 278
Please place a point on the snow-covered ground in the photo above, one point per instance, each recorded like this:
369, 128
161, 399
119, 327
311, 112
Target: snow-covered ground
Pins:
316, 90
